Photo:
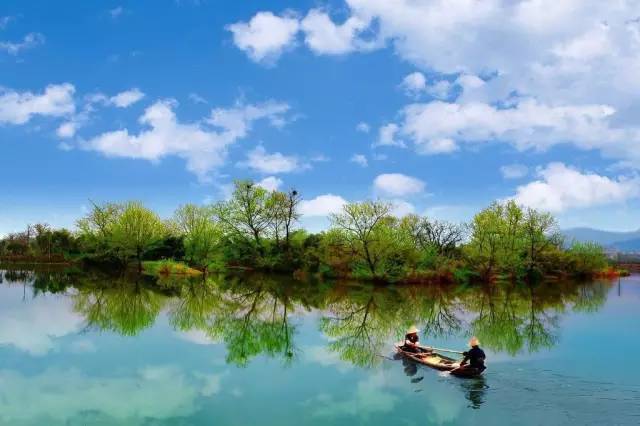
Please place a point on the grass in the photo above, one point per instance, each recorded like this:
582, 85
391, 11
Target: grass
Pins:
168, 267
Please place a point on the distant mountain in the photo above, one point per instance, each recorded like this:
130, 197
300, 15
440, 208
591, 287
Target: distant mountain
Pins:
623, 241
627, 245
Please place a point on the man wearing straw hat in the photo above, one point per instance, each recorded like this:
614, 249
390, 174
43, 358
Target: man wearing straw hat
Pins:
474, 356
411, 340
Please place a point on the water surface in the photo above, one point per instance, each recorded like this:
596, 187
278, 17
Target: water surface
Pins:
82, 348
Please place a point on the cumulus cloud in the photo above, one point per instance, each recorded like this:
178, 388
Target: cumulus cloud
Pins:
527, 124
203, 145
322, 205
401, 208
414, 83
265, 36
514, 171
19, 107
397, 184
126, 98
270, 183
323, 36
560, 187
261, 161
387, 136
359, 159
67, 129
571, 66
29, 41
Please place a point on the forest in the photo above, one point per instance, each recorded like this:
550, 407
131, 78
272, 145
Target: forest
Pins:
257, 229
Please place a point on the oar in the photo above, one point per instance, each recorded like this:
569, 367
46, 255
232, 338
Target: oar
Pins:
441, 350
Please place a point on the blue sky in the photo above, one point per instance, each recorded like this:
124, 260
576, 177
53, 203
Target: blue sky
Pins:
439, 107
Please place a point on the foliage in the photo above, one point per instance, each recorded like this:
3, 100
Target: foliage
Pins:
201, 235
586, 258
257, 229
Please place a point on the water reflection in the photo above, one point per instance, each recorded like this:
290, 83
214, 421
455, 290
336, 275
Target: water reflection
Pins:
255, 315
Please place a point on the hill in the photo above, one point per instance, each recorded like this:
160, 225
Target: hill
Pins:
623, 241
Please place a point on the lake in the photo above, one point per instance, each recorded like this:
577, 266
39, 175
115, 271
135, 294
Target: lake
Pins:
80, 347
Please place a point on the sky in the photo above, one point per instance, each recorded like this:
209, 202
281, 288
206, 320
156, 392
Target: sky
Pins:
440, 107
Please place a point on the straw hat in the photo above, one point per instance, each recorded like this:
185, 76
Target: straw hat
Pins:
474, 341
413, 330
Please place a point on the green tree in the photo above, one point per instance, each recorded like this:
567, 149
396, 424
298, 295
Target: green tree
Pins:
247, 213
201, 234
363, 227
539, 232
95, 229
587, 258
136, 230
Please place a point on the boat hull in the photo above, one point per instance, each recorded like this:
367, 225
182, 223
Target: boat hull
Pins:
440, 362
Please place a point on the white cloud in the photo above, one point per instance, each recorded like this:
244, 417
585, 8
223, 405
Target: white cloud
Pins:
261, 161
401, 208
387, 136
514, 171
414, 83
270, 183
67, 129
126, 98
323, 36
265, 36
359, 159
19, 108
561, 187
436, 146
28, 327
563, 61
203, 148
397, 184
29, 41
526, 124
363, 127
322, 205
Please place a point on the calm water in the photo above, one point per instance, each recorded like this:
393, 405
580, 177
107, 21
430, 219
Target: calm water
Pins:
79, 348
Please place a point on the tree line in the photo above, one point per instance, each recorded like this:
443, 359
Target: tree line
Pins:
259, 229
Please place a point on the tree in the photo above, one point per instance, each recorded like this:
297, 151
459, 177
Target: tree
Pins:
587, 258
538, 233
96, 228
362, 225
201, 234
136, 230
427, 234
247, 213
486, 230
43, 238
284, 213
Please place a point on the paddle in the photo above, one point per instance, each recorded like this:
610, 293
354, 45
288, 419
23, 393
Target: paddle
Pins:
441, 350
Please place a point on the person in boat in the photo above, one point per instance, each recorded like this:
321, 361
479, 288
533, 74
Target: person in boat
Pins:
475, 356
412, 341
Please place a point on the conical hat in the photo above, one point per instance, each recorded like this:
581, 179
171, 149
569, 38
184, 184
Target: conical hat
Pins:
413, 330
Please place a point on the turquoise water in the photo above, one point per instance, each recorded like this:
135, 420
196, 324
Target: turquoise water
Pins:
79, 349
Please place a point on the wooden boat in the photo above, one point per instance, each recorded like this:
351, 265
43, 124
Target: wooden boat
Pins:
440, 362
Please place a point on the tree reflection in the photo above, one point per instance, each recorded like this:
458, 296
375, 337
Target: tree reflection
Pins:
253, 315
121, 305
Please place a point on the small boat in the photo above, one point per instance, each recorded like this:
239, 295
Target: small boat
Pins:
439, 362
